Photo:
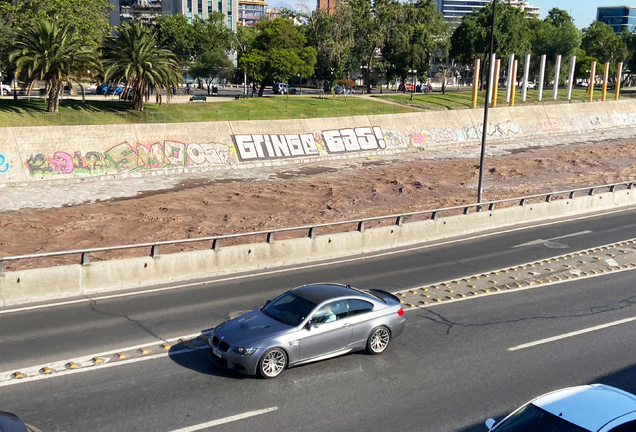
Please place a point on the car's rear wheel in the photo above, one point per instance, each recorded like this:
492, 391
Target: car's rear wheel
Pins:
378, 340
272, 363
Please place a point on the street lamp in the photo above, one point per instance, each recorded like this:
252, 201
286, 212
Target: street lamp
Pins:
362, 68
414, 72
300, 80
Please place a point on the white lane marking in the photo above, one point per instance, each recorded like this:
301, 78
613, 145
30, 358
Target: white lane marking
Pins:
265, 273
226, 420
574, 333
541, 241
96, 368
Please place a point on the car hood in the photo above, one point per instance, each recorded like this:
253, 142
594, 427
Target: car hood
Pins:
11, 423
251, 328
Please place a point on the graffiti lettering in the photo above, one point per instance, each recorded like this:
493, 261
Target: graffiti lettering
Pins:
4, 164
549, 125
351, 140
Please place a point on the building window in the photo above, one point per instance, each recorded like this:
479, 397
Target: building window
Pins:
190, 7
209, 7
229, 7
200, 6
220, 6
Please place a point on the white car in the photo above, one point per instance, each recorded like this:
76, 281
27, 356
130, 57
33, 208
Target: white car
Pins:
530, 85
5, 89
596, 407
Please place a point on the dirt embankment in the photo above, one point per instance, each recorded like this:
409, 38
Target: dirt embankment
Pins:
317, 195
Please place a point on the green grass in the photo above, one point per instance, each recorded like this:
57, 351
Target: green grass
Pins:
72, 112
458, 100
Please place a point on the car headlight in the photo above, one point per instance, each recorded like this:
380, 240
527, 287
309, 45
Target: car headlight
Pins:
245, 351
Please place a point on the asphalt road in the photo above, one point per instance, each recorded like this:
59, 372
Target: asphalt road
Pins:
449, 371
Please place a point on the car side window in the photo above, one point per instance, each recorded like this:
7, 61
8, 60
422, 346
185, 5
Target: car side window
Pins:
625, 427
331, 312
357, 307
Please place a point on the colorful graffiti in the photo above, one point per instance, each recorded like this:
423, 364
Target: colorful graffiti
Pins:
4, 164
447, 135
264, 147
124, 158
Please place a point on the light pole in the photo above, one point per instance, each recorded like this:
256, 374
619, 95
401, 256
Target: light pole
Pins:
362, 69
414, 72
243, 48
300, 80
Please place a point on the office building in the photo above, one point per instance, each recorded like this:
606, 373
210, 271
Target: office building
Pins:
203, 9
455, 10
250, 11
143, 10
617, 17
329, 5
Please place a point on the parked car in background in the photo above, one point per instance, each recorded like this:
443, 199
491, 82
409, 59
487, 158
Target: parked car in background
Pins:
307, 324
530, 85
342, 90
282, 88
596, 407
5, 90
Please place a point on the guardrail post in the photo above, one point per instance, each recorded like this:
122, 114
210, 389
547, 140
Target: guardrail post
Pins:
591, 192
361, 226
154, 251
270, 237
629, 186
466, 210
491, 207
522, 202
548, 198
312, 233
612, 188
85, 258
434, 215
399, 220
216, 244
1, 264
571, 194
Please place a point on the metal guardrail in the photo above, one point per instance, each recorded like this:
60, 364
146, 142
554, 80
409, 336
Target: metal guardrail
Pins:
312, 229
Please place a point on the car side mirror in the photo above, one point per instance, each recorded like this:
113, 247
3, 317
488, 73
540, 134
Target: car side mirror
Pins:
490, 423
267, 302
311, 324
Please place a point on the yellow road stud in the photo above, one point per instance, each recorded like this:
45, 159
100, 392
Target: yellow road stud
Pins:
514, 277
518, 284
435, 286
550, 270
426, 296
582, 262
505, 271
493, 281
593, 272
402, 295
611, 255
538, 281
548, 279
485, 290
495, 273
496, 288
473, 293
97, 360
45, 370
120, 356
557, 278
445, 284
461, 295
424, 289
410, 305
143, 351
71, 365
414, 292
476, 277
471, 286
567, 265
17, 375
436, 300
456, 282
449, 291
423, 302
449, 298
401, 301
603, 270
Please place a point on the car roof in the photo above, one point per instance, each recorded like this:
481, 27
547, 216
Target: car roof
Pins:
318, 293
588, 406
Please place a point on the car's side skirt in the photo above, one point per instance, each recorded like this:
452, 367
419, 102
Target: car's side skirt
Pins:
322, 357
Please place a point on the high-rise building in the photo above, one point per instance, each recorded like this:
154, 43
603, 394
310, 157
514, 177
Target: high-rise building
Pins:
617, 17
251, 11
150, 10
455, 10
328, 5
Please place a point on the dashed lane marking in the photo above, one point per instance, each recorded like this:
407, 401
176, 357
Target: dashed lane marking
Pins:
226, 420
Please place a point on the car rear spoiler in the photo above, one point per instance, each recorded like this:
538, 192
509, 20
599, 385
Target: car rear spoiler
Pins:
384, 295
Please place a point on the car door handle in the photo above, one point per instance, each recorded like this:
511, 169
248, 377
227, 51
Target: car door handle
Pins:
346, 324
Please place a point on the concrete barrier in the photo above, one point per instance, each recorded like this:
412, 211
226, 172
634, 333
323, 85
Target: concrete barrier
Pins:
73, 280
74, 153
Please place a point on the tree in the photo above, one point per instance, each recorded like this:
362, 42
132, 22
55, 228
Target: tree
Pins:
600, 41
368, 32
278, 53
133, 57
211, 65
54, 53
88, 19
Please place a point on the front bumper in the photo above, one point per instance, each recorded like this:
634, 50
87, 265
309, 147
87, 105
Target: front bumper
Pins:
245, 364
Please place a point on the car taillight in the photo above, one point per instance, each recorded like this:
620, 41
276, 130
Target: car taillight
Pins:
401, 312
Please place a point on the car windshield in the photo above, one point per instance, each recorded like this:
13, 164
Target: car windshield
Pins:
289, 309
533, 419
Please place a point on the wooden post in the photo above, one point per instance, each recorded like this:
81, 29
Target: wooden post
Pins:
495, 86
590, 88
605, 76
619, 72
476, 83
513, 79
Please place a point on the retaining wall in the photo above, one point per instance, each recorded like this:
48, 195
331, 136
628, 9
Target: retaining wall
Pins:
78, 153
74, 280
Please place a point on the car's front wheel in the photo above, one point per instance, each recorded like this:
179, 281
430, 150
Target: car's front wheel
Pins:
378, 340
272, 363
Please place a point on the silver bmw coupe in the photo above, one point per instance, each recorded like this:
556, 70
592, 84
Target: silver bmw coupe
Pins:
309, 323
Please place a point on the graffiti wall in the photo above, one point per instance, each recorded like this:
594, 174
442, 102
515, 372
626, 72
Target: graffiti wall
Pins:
45, 153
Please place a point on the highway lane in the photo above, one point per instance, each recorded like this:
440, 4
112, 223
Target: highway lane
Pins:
449, 371
38, 336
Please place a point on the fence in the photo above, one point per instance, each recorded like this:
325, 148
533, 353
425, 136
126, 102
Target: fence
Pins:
312, 231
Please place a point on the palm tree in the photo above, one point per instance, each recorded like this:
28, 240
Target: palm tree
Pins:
133, 57
54, 53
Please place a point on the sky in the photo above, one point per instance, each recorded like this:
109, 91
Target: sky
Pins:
583, 11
